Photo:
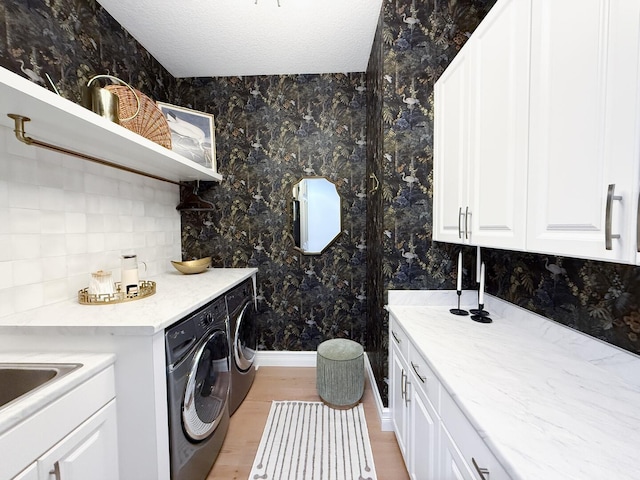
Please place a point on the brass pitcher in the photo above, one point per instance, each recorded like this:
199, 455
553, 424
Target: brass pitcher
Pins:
104, 102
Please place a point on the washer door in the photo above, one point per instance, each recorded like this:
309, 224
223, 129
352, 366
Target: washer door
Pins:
207, 391
246, 338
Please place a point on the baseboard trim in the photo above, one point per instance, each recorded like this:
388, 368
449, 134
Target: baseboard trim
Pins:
284, 358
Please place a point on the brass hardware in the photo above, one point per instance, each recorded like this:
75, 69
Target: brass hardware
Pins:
376, 185
20, 135
608, 236
146, 288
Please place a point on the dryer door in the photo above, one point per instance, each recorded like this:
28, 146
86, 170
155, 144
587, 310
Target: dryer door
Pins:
207, 390
246, 337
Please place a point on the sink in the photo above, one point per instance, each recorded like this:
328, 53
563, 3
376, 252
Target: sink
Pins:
20, 379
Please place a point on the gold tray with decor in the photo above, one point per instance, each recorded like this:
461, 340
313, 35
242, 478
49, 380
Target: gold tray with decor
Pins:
146, 288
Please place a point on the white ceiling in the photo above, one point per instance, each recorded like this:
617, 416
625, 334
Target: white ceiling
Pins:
217, 38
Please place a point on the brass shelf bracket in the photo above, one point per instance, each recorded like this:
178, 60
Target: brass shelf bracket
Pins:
21, 136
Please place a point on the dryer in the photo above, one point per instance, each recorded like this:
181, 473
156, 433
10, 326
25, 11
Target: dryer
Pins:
198, 383
244, 341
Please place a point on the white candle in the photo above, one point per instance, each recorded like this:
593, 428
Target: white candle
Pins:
459, 279
478, 264
481, 290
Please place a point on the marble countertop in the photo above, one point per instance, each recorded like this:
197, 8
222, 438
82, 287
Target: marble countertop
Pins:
176, 295
544, 410
15, 412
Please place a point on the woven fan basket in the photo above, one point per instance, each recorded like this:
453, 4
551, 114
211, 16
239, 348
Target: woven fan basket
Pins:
149, 122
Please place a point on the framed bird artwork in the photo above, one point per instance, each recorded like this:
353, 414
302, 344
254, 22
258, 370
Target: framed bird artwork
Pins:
192, 134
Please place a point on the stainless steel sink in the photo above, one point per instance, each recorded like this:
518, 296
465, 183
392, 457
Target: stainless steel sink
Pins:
20, 379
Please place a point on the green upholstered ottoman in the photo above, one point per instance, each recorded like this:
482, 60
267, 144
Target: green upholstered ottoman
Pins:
340, 372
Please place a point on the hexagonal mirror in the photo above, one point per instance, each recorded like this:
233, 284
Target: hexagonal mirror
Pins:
317, 220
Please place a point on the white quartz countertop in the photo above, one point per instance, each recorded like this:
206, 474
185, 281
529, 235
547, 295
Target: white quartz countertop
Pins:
16, 411
176, 295
544, 411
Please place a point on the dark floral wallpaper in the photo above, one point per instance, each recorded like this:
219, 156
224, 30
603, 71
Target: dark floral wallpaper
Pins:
273, 130
70, 41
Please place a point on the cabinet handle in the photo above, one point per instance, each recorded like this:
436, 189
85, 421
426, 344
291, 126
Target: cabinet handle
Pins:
608, 236
638, 226
376, 183
406, 392
403, 385
415, 369
466, 218
483, 472
459, 223
395, 337
54, 473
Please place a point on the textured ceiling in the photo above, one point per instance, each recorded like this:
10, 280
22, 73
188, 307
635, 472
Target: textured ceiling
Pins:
217, 38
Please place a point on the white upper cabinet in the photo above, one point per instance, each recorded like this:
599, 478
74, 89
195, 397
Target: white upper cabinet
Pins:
451, 166
537, 131
584, 129
481, 121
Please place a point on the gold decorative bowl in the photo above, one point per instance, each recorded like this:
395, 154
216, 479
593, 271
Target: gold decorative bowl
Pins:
192, 266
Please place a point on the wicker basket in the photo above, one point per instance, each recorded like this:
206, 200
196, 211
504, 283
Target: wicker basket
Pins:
149, 122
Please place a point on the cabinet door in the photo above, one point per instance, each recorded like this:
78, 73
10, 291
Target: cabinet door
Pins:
397, 399
29, 473
499, 101
452, 465
90, 451
424, 438
583, 97
451, 141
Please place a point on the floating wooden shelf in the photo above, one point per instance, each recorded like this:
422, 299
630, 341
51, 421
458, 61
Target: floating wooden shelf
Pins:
61, 122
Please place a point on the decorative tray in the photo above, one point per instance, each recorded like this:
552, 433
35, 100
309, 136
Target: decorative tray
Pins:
146, 289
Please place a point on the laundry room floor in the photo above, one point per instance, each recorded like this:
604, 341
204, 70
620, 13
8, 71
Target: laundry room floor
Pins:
292, 383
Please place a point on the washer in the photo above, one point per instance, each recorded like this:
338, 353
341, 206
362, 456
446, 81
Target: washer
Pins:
244, 341
198, 383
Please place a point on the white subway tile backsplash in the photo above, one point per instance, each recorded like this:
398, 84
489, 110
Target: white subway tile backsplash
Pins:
52, 221
27, 272
75, 243
54, 268
28, 297
25, 246
55, 291
24, 195
24, 220
95, 242
6, 250
74, 180
51, 198
65, 218
75, 201
24, 170
6, 275
53, 245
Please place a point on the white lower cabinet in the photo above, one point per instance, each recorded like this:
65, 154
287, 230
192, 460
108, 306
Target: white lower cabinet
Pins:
90, 451
436, 439
75, 437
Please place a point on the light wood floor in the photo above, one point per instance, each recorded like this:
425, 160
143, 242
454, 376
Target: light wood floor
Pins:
292, 383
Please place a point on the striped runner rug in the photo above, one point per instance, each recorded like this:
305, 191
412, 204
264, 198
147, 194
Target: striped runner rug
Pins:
310, 441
